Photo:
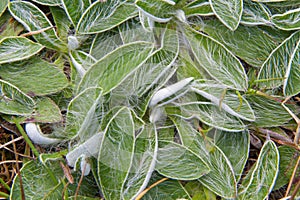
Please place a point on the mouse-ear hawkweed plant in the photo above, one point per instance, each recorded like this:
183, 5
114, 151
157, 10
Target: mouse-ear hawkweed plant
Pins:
153, 99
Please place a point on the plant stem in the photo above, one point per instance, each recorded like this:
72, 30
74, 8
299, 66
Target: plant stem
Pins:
26, 138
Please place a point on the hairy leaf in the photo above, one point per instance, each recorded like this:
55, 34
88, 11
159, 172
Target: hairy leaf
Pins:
160, 11
143, 163
229, 12
33, 19
32, 76
17, 48
255, 13
3, 6
116, 154
268, 112
167, 190
217, 60
190, 166
103, 16
48, 2
260, 180
289, 20
75, 9
83, 121
13, 101
254, 47
236, 147
229, 101
279, 63
111, 70
198, 7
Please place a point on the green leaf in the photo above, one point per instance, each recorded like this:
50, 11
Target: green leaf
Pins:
48, 2
82, 58
167, 190
229, 101
255, 13
198, 7
254, 48
3, 6
221, 177
288, 160
198, 191
289, 20
82, 119
160, 11
111, 70
33, 19
229, 12
178, 162
45, 178
46, 111
207, 113
32, 76
116, 153
259, 182
268, 112
280, 65
236, 147
9, 27
75, 9
17, 48
49, 182
103, 16
143, 163
217, 60
62, 23
13, 101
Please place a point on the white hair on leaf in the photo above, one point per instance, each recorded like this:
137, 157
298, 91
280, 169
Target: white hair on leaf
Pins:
169, 91
34, 132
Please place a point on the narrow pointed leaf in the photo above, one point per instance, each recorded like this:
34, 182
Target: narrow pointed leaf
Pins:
116, 154
229, 12
190, 166
143, 163
236, 147
33, 19
13, 101
32, 76
62, 23
217, 61
112, 69
278, 65
230, 102
82, 117
75, 9
259, 182
17, 48
103, 16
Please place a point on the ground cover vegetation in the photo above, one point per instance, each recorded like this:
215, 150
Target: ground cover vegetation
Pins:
147, 99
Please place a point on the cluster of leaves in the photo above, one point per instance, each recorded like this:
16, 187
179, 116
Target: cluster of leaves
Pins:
152, 90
